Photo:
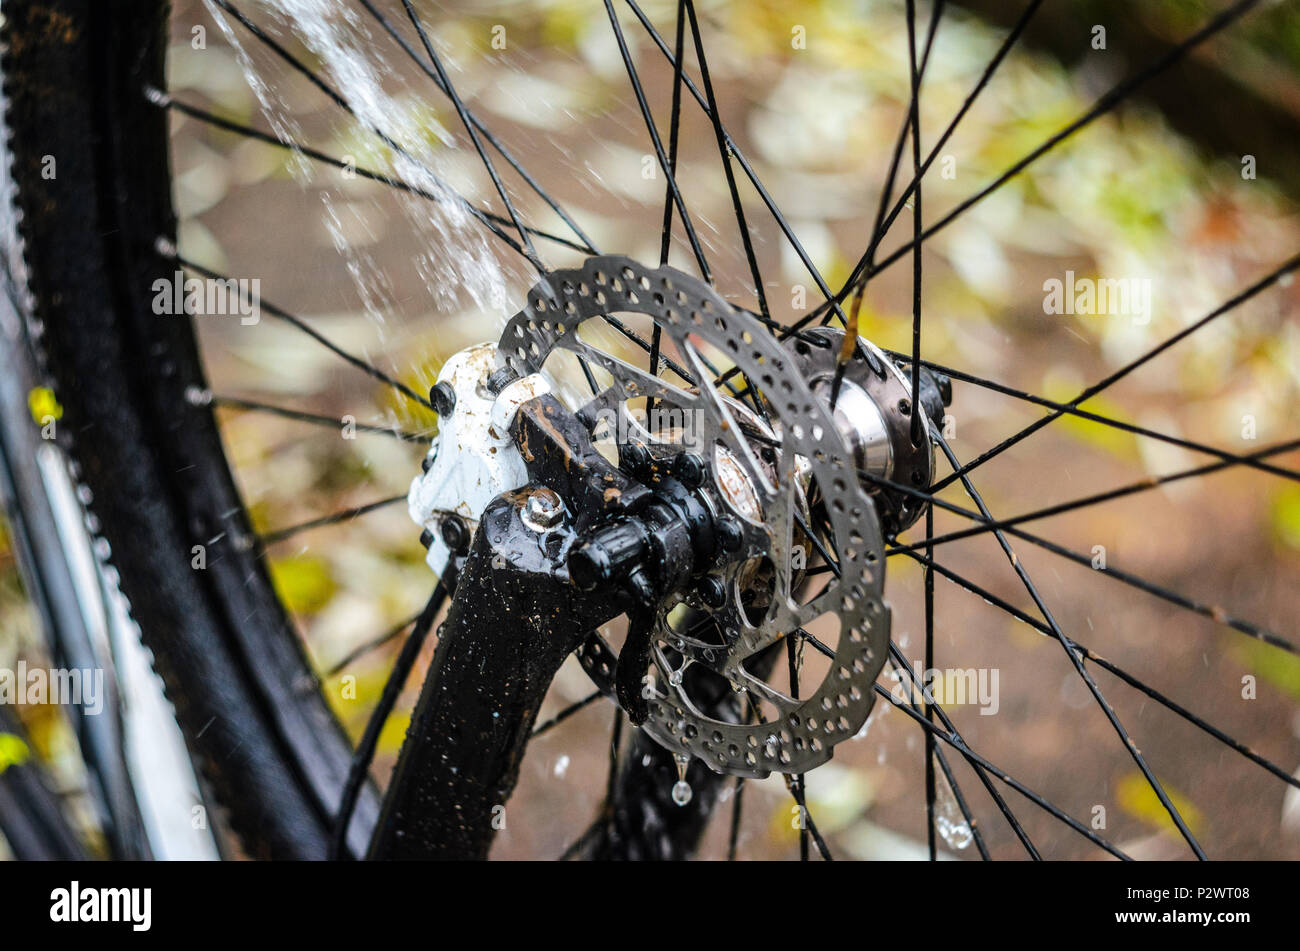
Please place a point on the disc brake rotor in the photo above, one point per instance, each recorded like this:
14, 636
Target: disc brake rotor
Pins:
781, 479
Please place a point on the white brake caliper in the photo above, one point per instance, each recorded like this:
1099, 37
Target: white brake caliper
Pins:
473, 457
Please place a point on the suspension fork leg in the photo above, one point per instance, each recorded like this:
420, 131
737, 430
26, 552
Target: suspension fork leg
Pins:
513, 619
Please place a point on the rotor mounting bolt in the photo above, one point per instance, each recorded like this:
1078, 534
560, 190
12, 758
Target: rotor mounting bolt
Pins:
690, 469
443, 398
712, 592
730, 536
544, 508
635, 457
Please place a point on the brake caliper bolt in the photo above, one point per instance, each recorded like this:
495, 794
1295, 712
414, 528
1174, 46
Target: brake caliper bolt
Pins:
544, 508
443, 398
500, 378
712, 592
690, 469
455, 534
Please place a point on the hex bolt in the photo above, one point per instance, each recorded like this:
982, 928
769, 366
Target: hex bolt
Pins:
443, 398
712, 592
454, 533
690, 469
634, 456
499, 379
426, 538
543, 509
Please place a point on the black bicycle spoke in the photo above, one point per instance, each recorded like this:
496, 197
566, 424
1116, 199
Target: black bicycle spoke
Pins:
793, 663
1109, 495
446, 85
883, 221
1075, 661
1103, 105
745, 166
495, 221
587, 245
806, 819
1233, 458
365, 752
899, 663
916, 425
367, 647
818, 546
733, 835
724, 153
1110, 667
974, 758
666, 232
911, 123
580, 844
1214, 612
235, 402
1226, 307
383, 136
564, 714
928, 582
644, 106
346, 515
316, 335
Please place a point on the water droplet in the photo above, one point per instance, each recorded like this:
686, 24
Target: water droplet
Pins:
681, 792
561, 767
948, 820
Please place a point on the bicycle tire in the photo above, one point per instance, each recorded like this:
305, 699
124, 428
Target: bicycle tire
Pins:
90, 167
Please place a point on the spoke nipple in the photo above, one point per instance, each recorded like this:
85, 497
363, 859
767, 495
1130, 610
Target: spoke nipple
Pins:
455, 534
